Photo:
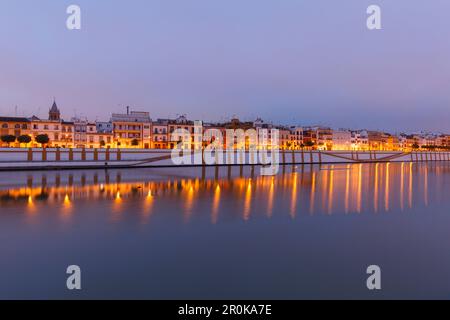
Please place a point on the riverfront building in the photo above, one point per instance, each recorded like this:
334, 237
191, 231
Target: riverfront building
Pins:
14, 126
132, 129
342, 139
135, 129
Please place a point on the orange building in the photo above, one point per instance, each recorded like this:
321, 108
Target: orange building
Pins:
14, 126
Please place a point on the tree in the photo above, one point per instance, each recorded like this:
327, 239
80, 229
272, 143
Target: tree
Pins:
24, 139
309, 144
135, 142
8, 139
42, 139
415, 145
102, 143
429, 147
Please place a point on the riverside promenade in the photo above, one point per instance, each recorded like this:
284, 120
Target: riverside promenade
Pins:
59, 159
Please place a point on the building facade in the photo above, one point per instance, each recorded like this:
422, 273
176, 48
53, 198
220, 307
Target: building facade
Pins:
132, 130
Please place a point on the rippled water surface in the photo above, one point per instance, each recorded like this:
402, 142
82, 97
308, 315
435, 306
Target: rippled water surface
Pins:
309, 232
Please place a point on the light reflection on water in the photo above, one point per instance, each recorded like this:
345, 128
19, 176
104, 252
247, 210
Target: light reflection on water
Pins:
329, 190
170, 233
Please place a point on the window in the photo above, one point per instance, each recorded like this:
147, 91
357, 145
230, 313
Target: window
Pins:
24, 126
45, 127
56, 127
5, 126
17, 126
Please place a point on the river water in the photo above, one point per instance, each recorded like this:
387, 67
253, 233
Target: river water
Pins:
309, 232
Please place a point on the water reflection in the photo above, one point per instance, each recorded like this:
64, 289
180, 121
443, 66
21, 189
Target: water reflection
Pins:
216, 203
332, 189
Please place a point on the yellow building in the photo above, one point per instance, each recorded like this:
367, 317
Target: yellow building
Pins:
51, 128
100, 140
392, 143
67, 134
14, 126
132, 130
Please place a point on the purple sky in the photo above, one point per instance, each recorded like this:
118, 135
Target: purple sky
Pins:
290, 61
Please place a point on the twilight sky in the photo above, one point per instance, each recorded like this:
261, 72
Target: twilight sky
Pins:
289, 61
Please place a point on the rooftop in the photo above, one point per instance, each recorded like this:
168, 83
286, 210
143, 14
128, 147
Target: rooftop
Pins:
14, 119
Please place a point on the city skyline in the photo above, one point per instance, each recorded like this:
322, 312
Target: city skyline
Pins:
44, 115
222, 119
291, 62
136, 129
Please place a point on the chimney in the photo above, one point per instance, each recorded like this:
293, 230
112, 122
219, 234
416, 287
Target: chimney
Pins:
128, 109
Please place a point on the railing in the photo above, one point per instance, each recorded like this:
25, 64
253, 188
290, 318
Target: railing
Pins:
102, 155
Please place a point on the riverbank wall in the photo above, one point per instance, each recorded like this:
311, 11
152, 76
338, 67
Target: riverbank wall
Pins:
66, 159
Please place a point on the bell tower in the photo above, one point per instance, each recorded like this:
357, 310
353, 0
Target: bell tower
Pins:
54, 113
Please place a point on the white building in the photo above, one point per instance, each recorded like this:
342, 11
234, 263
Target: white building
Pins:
104, 127
342, 139
360, 140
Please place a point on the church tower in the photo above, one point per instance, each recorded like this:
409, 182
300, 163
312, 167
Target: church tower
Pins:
54, 113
